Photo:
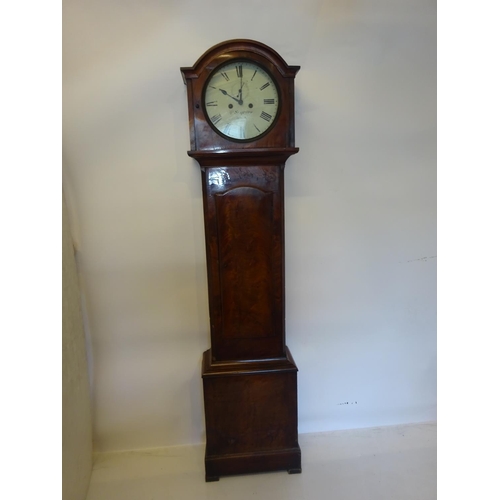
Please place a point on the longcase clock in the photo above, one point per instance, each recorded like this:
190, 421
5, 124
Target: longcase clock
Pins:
241, 119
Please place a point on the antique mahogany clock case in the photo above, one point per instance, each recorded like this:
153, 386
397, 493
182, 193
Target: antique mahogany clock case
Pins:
241, 118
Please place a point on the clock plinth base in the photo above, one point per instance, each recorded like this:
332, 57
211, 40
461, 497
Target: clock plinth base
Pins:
229, 465
251, 416
211, 479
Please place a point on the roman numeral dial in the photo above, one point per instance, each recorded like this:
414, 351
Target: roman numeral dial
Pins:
241, 100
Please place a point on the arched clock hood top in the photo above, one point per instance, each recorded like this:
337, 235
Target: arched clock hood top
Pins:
231, 48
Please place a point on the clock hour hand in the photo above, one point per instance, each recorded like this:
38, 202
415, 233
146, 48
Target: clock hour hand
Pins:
239, 101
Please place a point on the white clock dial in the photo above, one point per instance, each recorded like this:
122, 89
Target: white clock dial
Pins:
241, 100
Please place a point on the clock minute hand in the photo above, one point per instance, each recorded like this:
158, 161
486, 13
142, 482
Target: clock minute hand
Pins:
240, 94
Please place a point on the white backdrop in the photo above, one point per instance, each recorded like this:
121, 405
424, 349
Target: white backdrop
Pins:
360, 208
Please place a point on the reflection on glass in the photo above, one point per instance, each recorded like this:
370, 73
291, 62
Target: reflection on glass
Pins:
218, 177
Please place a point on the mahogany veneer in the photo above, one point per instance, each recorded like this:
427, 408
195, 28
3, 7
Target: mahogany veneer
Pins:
249, 376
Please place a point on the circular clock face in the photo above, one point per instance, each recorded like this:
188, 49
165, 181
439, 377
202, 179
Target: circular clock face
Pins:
241, 100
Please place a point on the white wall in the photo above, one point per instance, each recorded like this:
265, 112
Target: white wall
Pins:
76, 408
360, 207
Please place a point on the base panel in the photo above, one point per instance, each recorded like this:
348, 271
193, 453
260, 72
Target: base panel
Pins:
250, 416
228, 465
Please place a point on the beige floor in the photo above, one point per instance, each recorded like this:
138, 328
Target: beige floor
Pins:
384, 463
